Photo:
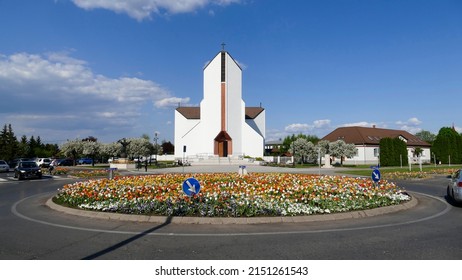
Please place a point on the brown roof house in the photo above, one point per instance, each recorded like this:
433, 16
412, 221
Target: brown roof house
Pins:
367, 141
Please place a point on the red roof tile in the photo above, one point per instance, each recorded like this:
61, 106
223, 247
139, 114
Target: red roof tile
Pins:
371, 136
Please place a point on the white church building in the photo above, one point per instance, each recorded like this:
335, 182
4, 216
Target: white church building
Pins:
222, 127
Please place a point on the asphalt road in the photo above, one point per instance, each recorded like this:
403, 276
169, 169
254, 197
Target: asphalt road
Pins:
30, 230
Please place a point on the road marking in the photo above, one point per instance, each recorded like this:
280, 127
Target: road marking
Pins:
441, 213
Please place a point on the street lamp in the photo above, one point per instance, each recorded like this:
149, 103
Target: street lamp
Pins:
155, 139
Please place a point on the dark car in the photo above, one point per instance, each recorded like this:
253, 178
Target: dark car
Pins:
27, 169
85, 161
65, 162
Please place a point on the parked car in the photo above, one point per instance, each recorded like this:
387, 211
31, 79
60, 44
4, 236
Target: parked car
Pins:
65, 162
85, 161
4, 167
43, 162
113, 159
27, 169
454, 189
15, 161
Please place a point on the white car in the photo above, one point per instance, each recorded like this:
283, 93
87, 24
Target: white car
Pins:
43, 162
4, 167
455, 186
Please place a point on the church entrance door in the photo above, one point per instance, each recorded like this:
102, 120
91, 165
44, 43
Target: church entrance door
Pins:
223, 149
223, 144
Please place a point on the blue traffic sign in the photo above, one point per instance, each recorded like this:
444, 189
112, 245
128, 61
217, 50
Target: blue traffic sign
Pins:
191, 187
376, 175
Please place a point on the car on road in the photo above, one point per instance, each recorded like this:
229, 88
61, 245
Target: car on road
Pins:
15, 161
27, 169
454, 189
65, 162
4, 167
85, 161
43, 162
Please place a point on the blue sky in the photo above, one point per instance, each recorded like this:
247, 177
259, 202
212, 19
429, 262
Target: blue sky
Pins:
118, 68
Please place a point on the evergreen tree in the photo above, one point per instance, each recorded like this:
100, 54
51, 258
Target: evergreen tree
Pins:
448, 146
168, 147
392, 152
33, 145
8, 143
23, 147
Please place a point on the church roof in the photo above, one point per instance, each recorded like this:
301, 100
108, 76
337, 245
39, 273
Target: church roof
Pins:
191, 113
220, 54
194, 113
372, 136
253, 112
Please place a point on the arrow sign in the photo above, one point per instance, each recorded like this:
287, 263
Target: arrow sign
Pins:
191, 187
376, 175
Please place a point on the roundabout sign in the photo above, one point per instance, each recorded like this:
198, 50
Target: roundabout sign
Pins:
376, 176
191, 187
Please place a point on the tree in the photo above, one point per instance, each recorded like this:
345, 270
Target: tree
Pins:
302, 150
8, 143
392, 152
139, 147
23, 147
90, 139
91, 149
323, 146
426, 136
287, 142
342, 150
168, 147
417, 152
448, 146
72, 149
111, 149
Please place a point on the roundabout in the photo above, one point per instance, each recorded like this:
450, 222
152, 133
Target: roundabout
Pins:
230, 195
418, 231
353, 221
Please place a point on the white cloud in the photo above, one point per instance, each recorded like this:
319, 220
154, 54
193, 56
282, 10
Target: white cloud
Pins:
411, 125
171, 102
142, 9
61, 95
321, 123
305, 128
361, 124
411, 122
297, 127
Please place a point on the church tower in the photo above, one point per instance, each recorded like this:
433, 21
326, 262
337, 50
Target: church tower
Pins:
222, 126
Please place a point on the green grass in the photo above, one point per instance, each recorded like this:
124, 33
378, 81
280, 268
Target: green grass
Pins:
361, 171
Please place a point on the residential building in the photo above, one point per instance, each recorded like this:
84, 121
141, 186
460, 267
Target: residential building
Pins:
367, 141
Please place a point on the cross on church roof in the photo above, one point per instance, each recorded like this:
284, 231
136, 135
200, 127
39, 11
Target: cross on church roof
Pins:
223, 46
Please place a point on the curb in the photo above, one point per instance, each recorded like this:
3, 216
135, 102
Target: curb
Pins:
234, 221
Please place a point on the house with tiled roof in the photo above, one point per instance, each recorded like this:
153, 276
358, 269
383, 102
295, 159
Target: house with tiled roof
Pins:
367, 142
222, 126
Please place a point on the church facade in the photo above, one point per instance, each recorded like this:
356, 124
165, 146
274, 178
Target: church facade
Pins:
222, 126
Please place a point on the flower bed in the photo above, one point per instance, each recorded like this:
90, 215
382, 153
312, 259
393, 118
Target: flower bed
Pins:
230, 195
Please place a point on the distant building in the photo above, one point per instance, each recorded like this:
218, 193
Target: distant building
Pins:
367, 141
222, 126
273, 147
